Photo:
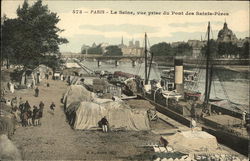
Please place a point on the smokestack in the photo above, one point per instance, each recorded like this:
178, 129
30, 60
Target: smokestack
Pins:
178, 77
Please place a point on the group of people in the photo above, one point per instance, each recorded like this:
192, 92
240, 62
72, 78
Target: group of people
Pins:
28, 115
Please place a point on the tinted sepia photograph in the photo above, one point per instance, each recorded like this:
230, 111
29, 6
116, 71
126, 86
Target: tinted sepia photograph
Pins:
124, 80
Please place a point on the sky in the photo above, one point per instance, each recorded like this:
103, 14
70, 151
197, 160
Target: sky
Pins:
170, 26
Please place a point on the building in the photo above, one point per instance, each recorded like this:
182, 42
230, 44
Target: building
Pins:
226, 35
137, 44
84, 49
133, 49
196, 46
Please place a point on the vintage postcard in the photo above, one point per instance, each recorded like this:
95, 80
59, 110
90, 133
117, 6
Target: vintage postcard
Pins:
124, 80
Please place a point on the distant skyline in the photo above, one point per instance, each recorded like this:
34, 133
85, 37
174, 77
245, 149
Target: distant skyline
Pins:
89, 28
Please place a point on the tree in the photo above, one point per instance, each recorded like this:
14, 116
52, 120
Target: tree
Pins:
213, 49
36, 36
183, 50
9, 28
228, 49
94, 50
113, 50
245, 50
162, 49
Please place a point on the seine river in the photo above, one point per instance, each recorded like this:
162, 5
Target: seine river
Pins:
229, 84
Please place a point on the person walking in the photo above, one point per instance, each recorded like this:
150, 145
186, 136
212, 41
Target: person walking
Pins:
36, 92
193, 124
41, 107
52, 107
26, 106
243, 121
21, 101
35, 115
25, 118
12, 89
29, 112
104, 123
14, 102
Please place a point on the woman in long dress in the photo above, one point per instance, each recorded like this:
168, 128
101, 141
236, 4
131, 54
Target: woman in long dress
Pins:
12, 90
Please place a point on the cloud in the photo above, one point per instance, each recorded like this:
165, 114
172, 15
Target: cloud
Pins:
189, 24
87, 28
128, 28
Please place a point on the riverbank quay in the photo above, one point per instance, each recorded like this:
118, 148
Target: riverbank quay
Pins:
55, 139
238, 68
173, 124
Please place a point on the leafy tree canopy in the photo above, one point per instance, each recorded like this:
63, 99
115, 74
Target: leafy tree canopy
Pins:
165, 49
32, 36
113, 50
93, 50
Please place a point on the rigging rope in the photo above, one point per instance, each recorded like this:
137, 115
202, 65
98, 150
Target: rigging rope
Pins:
214, 88
223, 87
212, 33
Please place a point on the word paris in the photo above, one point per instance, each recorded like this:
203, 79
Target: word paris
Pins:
150, 13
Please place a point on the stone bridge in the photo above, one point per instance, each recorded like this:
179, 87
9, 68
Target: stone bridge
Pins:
101, 57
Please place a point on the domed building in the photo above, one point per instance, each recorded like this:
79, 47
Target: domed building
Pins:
226, 35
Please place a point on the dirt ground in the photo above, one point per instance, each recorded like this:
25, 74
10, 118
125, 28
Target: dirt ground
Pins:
55, 139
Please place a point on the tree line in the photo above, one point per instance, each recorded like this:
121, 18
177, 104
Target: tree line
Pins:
217, 49
166, 49
31, 38
112, 50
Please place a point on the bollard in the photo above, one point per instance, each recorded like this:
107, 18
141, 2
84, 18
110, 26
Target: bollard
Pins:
116, 63
133, 63
99, 63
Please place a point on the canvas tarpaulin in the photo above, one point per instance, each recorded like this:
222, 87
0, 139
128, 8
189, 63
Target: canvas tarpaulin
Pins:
119, 115
77, 93
190, 141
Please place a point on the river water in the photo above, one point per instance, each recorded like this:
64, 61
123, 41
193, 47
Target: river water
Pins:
226, 84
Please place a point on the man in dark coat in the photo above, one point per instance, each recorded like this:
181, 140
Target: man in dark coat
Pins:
41, 107
52, 106
25, 118
36, 92
29, 112
104, 123
35, 115
26, 106
40, 111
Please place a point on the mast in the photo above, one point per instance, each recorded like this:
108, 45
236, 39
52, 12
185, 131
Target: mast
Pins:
208, 74
146, 60
151, 60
